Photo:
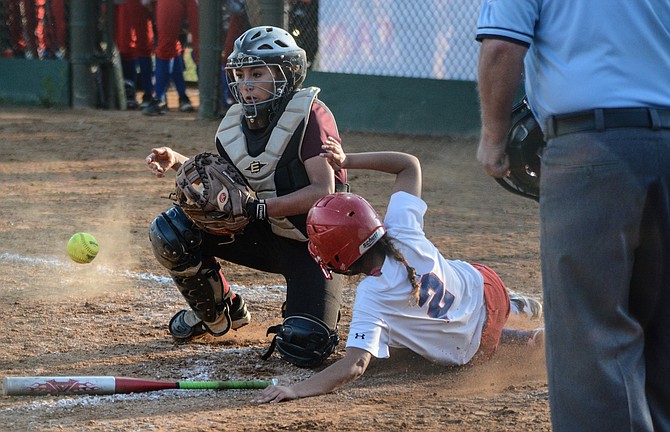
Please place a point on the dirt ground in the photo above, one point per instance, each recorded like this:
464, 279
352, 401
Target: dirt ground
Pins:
65, 171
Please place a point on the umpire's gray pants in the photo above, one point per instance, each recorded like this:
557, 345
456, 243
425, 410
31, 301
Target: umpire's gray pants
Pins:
605, 243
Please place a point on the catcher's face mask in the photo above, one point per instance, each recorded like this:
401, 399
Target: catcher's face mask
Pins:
257, 87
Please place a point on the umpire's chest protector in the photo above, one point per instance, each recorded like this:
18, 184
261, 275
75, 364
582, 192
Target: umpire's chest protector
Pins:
279, 165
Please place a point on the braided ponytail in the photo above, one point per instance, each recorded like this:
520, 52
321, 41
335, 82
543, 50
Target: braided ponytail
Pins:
391, 251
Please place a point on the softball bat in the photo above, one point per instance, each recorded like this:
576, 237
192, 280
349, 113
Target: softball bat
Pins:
106, 385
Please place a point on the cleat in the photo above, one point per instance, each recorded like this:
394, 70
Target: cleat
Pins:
155, 107
185, 324
239, 314
530, 338
146, 101
131, 102
522, 304
185, 104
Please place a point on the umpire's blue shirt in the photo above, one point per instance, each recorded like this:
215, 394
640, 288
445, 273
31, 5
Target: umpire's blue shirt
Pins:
581, 54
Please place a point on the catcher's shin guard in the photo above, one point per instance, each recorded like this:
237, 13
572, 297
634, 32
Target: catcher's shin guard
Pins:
176, 244
208, 295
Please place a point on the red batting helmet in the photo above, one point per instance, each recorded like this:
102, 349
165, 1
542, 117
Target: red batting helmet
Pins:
341, 228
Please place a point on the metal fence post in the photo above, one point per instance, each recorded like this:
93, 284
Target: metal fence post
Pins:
83, 15
209, 79
268, 13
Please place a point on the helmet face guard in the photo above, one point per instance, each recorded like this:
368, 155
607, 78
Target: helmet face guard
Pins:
342, 227
272, 48
327, 273
278, 86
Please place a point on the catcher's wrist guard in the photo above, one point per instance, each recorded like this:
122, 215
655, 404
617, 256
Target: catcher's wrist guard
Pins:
257, 210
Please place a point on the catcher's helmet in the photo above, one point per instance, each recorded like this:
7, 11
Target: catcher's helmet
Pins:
524, 145
267, 47
341, 228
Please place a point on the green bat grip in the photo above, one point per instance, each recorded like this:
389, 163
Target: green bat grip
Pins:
221, 385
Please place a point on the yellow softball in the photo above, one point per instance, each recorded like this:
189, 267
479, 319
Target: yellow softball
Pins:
82, 248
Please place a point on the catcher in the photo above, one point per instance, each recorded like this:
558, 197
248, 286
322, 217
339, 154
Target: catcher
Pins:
248, 203
448, 311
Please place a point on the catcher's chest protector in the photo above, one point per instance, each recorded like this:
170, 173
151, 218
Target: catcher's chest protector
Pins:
260, 170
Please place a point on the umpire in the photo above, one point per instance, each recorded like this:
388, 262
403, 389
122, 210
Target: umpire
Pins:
596, 76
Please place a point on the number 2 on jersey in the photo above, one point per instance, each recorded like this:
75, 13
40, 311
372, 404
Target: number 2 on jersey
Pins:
439, 299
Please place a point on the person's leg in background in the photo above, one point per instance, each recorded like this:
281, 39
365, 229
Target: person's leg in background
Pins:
192, 27
177, 74
59, 23
144, 48
169, 17
54, 29
14, 21
42, 30
125, 43
192, 11
32, 43
22, 48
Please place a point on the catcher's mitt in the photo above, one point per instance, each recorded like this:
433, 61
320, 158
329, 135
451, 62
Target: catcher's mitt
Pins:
524, 146
213, 194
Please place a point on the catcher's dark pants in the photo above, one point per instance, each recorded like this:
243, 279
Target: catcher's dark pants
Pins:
605, 234
307, 291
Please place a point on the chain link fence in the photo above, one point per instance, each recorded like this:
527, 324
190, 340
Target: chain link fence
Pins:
33, 29
415, 39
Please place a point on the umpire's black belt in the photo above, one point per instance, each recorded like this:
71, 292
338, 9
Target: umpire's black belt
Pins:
609, 118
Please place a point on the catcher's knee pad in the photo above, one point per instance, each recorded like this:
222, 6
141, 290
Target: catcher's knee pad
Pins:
206, 293
303, 340
175, 240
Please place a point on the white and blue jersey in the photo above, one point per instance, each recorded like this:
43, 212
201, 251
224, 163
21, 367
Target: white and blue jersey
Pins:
446, 325
561, 74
